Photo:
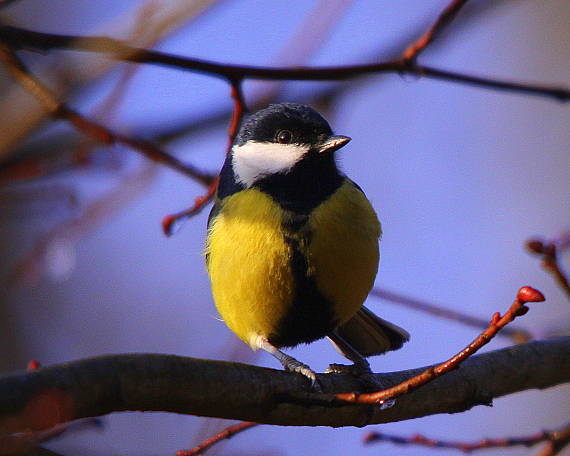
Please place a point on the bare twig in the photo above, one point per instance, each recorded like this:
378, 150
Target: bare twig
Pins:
227, 433
21, 38
171, 223
558, 440
91, 128
549, 251
27, 442
518, 308
468, 447
414, 50
518, 336
72, 72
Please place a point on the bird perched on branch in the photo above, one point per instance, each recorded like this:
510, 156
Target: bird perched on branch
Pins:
292, 245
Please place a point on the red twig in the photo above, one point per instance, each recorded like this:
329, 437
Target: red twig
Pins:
557, 442
89, 127
412, 52
172, 223
225, 434
25, 443
518, 336
549, 251
518, 308
552, 437
240, 109
21, 38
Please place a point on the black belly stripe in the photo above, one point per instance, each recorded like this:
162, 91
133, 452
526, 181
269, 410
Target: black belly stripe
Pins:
311, 315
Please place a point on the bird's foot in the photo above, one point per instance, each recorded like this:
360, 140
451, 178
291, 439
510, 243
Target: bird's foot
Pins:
356, 369
288, 362
369, 380
292, 365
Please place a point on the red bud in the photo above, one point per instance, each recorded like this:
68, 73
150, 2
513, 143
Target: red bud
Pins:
529, 294
167, 223
535, 245
33, 365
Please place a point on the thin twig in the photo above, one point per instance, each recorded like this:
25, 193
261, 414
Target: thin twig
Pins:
21, 38
558, 440
227, 433
100, 133
549, 251
558, 93
25, 443
518, 308
518, 336
414, 50
468, 447
172, 223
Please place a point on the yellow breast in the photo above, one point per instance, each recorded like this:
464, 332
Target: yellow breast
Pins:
248, 264
344, 249
249, 260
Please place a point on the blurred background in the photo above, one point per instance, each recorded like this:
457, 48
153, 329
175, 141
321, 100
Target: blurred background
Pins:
460, 176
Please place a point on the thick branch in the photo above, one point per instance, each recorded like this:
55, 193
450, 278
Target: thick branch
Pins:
20, 38
146, 382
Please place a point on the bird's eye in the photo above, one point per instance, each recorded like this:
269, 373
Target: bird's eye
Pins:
284, 137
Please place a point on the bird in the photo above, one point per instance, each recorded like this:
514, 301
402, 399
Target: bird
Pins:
292, 246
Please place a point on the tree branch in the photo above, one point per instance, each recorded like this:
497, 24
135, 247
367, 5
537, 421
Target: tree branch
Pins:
552, 437
498, 322
414, 50
226, 433
148, 382
20, 38
549, 251
98, 132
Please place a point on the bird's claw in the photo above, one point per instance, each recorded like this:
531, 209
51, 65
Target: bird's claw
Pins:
306, 371
356, 369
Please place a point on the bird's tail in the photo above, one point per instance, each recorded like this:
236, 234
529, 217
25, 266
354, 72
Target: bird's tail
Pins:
370, 335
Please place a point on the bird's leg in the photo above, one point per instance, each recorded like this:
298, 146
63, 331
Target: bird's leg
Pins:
289, 363
360, 366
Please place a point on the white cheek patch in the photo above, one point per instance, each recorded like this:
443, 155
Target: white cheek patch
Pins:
254, 160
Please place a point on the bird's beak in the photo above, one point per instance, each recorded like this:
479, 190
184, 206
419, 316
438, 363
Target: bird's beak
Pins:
333, 143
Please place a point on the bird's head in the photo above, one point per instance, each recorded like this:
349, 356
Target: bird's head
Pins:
280, 137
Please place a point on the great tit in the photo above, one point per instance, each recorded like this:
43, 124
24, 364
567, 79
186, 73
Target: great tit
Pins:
292, 244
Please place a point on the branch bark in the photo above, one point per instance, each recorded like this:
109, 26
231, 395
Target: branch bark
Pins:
18, 38
149, 382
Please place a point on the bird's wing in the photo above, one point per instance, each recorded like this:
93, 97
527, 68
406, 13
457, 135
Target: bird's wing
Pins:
216, 208
371, 335
354, 184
